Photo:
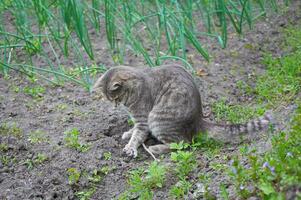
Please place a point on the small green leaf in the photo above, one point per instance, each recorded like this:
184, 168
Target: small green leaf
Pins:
266, 188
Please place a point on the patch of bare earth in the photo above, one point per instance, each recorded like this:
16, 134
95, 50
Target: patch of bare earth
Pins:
101, 125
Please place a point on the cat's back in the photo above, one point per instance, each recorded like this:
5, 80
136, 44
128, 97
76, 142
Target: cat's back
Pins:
174, 76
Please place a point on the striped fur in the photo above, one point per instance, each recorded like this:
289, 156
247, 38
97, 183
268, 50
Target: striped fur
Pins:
164, 102
234, 133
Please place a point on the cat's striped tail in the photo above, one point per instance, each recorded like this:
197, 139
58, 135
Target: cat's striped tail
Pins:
236, 132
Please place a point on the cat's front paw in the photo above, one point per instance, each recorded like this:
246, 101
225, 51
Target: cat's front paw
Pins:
130, 151
127, 135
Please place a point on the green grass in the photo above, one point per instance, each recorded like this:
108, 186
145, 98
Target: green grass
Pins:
282, 82
154, 30
277, 172
235, 113
279, 86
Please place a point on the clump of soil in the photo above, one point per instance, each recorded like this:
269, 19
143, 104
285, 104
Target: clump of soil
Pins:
101, 124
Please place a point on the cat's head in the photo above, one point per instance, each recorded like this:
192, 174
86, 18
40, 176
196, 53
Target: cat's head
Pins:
117, 84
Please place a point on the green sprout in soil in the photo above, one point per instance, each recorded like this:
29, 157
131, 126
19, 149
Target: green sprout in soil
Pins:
179, 190
72, 140
39, 159
61, 107
107, 155
37, 136
35, 92
73, 176
94, 177
142, 182
7, 160
85, 194
3, 147
11, 130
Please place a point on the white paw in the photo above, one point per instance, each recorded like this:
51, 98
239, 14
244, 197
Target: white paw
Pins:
127, 135
130, 151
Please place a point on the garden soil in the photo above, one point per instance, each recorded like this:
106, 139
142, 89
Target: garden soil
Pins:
101, 124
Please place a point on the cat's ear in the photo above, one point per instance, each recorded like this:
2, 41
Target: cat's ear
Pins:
116, 86
98, 84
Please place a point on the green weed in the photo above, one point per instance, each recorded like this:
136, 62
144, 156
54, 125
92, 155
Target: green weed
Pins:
131, 122
72, 140
292, 38
37, 136
7, 160
106, 169
73, 176
85, 194
11, 129
179, 190
185, 162
245, 88
107, 155
29, 163
142, 182
282, 81
15, 88
35, 92
235, 113
40, 158
37, 160
96, 176
3, 147
203, 141
224, 192
61, 107
276, 172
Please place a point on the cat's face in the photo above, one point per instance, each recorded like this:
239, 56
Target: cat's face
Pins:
115, 85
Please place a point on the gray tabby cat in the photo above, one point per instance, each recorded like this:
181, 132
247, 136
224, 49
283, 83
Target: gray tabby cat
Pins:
165, 103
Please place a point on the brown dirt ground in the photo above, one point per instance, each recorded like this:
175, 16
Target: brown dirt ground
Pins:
101, 125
